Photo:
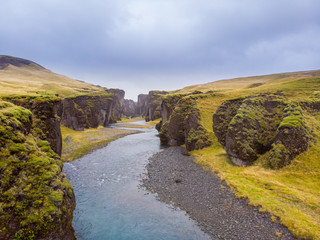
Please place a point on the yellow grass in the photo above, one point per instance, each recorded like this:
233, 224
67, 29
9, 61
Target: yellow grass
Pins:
291, 193
78, 143
29, 81
127, 125
154, 122
124, 119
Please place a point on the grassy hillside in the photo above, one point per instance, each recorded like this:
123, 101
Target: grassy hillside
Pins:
20, 76
291, 194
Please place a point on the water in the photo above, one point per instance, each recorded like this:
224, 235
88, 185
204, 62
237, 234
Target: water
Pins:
110, 203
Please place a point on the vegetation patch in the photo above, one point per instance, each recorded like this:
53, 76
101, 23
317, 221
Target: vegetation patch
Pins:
76, 144
34, 202
291, 193
134, 126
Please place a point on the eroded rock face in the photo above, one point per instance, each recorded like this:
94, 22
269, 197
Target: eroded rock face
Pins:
45, 111
252, 126
87, 111
142, 105
129, 108
181, 123
118, 104
153, 106
36, 200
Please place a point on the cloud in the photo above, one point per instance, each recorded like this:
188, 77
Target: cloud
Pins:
136, 40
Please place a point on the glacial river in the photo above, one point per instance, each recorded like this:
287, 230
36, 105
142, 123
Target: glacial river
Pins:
110, 202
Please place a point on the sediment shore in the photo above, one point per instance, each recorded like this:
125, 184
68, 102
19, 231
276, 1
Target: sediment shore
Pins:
179, 181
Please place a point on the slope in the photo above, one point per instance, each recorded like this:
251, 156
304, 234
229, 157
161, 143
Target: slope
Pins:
24, 77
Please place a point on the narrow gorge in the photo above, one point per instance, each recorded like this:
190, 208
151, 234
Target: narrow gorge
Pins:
216, 160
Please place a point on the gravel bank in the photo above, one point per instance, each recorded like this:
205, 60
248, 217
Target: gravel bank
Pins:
179, 181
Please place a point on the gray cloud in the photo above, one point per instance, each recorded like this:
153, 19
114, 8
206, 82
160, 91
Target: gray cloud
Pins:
141, 44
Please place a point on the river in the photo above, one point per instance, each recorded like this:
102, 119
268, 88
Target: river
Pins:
110, 202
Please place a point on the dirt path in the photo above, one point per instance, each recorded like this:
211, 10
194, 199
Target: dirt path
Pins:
179, 181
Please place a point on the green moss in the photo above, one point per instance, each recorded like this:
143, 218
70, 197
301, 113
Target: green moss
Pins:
292, 117
56, 197
31, 183
278, 156
16, 148
197, 139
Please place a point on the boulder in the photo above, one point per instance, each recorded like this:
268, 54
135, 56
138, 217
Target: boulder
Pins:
252, 126
181, 123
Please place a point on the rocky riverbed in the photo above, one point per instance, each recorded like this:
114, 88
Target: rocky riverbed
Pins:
179, 181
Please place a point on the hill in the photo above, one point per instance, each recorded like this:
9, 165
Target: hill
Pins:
292, 84
24, 77
261, 135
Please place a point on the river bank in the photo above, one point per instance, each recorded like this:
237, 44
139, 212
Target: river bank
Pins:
110, 203
179, 181
76, 144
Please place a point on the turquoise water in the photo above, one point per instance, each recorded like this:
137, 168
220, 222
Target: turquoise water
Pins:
110, 203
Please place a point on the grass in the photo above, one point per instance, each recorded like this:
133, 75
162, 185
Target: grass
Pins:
128, 125
125, 120
31, 81
78, 143
292, 193
154, 122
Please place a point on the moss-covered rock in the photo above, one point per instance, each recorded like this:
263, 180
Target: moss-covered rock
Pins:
251, 126
88, 111
153, 111
36, 200
46, 122
181, 123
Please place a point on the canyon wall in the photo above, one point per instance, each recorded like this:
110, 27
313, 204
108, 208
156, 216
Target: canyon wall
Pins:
37, 201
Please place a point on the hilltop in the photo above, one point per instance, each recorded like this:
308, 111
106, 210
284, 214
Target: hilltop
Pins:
21, 76
292, 83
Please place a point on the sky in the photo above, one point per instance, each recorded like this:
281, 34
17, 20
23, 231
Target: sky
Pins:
142, 45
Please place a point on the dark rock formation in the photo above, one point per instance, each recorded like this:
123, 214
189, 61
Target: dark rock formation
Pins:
142, 105
36, 200
154, 101
265, 124
87, 111
45, 111
130, 108
118, 104
181, 123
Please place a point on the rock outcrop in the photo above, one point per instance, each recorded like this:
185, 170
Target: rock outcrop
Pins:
36, 200
142, 105
130, 108
153, 107
87, 111
117, 104
46, 121
180, 123
266, 125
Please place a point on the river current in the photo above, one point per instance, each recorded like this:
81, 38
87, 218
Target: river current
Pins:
110, 202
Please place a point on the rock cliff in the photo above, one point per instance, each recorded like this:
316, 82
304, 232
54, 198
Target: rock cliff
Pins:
142, 105
87, 111
266, 125
117, 105
153, 105
180, 123
130, 108
36, 201
46, 120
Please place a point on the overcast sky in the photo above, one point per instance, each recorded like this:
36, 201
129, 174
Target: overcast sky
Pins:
142, 45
